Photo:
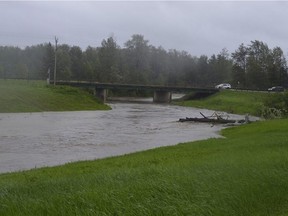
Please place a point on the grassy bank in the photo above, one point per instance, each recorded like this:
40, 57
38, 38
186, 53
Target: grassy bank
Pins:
243, 174
36, 96
240, 102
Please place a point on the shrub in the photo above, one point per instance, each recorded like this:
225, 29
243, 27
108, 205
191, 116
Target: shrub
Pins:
275, 106
271, 113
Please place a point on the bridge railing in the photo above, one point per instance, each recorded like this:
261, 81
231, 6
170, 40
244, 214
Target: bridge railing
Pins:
98, 85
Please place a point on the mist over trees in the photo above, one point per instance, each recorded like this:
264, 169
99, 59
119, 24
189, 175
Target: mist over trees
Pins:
250, 66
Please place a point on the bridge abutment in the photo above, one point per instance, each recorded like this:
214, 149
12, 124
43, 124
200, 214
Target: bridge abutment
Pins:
101, 94
162, 97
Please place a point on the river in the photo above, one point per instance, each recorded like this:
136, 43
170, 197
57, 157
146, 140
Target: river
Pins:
33, 140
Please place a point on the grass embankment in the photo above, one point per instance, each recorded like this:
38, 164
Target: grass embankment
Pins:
36, 96
237, 102
243, 174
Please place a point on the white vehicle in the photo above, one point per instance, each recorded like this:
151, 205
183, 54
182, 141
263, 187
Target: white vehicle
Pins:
223, 86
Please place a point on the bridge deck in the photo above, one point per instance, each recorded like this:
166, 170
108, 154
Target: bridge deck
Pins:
134, 86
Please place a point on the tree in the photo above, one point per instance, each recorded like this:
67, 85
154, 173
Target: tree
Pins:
137, 58
91, 63
220, 68
258, 64
158, 66
48, 61
63, 62
108, 59
2, 72
75, 54
277, 73
22, 71
251, 66
224, 66
203, 70
239, 68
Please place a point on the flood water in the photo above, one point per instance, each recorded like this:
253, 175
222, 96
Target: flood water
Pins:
33, 140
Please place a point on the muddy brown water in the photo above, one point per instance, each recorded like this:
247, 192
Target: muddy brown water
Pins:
33, 140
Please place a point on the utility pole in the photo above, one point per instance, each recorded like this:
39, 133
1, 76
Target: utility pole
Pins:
55, 65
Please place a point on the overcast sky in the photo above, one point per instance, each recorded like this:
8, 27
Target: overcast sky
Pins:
198, 27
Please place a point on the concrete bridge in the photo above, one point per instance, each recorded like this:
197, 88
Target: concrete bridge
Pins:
162, 94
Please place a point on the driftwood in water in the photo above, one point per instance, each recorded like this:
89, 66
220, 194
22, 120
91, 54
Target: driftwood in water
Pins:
215, 118
207, 120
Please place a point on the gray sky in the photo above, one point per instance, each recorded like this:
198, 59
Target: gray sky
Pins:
198, 27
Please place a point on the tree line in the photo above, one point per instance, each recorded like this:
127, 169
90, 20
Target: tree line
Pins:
250, 66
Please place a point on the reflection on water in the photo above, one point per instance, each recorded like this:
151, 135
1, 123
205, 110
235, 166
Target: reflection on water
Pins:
29, 140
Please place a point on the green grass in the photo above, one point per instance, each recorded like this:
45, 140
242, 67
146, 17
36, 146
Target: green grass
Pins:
244, 174
238, 102
36, 96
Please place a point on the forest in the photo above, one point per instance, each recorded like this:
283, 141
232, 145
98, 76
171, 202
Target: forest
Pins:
251, 66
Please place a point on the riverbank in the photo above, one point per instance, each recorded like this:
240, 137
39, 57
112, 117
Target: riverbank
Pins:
243, 174
37, 96
240, 102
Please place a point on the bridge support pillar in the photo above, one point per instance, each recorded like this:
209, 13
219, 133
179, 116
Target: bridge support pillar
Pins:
101, 94
162, 97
